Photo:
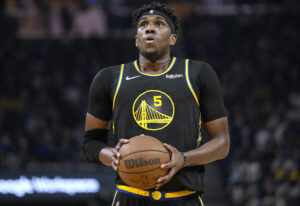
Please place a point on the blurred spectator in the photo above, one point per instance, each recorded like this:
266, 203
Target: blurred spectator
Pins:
96, 18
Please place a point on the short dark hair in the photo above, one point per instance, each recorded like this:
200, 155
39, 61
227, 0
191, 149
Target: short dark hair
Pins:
160, 7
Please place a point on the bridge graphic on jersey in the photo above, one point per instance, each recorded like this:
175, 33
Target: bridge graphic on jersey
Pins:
145, 114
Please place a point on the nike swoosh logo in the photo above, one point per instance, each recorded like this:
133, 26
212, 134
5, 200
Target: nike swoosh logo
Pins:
130, 78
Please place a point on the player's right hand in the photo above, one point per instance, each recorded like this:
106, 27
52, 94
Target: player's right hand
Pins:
116, 156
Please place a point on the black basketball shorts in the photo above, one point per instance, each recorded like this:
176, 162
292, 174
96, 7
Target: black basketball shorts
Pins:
123, 199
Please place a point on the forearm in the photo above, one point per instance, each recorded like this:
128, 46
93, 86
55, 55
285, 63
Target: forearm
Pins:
94, 141
105, 156
215, 149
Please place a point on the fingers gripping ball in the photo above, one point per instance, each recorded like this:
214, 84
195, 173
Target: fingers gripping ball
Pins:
141, 160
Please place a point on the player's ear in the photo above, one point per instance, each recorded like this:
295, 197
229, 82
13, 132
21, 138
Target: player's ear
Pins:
173, 39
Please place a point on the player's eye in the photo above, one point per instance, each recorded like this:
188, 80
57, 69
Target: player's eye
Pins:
159, 23
143, 24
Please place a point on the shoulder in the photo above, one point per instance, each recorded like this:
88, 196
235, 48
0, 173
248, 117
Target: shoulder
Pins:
200, 70
107, 71
107, 74
112, 71
200, 66
202, 73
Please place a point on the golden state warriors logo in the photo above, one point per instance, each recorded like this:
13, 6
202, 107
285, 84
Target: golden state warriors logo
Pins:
153, 110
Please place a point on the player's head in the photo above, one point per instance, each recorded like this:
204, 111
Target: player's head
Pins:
157, 30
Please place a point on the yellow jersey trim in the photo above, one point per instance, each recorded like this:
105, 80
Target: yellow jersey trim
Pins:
114, 198
200, 135
187, 61
118, 85
200, 200
136, 66
189, 82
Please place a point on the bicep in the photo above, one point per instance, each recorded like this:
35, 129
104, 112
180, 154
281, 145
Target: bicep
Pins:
92, 122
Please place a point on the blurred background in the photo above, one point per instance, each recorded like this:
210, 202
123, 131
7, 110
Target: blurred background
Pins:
50, 51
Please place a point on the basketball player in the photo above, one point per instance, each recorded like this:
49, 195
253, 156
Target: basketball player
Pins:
161, 96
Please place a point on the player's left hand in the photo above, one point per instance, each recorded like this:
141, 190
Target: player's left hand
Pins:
175, 164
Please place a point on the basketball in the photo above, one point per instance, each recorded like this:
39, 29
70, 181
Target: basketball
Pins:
140, 161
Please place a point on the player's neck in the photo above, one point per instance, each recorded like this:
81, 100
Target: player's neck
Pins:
154, 67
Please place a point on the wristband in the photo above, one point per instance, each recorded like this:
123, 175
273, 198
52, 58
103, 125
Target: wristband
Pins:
184, 159
94, 141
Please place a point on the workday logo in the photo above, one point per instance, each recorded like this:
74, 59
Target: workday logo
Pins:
174, 76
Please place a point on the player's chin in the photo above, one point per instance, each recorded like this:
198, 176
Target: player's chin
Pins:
151, 54
150, 47
151, 51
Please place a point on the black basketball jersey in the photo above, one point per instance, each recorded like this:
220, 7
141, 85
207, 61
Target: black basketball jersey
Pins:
167, 106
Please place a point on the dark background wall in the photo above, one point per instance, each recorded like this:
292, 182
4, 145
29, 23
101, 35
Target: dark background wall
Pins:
50, 51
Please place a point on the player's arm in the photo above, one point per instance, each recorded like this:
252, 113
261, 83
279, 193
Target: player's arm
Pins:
98, 121
95, 142
215, 149
215, 122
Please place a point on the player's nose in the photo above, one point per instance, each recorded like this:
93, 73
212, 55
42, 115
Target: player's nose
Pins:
150, 28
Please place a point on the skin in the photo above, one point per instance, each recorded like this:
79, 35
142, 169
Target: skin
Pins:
154, 58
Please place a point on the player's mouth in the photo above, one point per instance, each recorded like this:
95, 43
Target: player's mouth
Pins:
149, 40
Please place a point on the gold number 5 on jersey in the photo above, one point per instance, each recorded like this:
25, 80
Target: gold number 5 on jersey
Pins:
157, 101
